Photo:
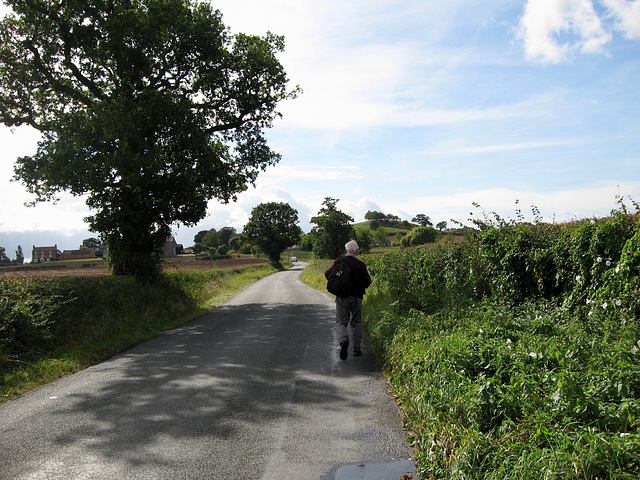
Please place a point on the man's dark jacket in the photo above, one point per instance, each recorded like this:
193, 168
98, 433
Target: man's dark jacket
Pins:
359, 277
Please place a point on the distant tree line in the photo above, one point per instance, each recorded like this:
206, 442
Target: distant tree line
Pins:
273, 227
217, 242
5, 260
333, 228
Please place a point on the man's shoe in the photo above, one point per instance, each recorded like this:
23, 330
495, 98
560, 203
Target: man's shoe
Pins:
344, 349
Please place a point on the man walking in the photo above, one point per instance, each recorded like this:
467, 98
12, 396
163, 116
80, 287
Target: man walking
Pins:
349, 306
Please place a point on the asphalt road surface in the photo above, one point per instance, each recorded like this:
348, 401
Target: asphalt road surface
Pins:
252, 390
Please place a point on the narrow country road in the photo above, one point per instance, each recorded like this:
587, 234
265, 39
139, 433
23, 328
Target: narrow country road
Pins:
253, 390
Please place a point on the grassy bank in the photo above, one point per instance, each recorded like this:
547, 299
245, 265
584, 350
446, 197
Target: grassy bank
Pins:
313, 275
50, 327
516, 354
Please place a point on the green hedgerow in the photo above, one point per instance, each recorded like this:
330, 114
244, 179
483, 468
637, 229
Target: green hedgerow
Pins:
517, 353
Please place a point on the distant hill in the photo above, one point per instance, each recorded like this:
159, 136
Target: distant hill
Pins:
391, 226
455, 235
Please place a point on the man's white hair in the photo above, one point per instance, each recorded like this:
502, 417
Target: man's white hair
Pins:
351, 246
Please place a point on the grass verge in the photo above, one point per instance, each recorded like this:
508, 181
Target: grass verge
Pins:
51, 327
313, 275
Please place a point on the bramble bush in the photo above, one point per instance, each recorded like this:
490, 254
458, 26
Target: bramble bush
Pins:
39, 314
516, 354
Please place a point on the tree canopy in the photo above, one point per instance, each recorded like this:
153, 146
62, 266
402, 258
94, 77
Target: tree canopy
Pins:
363, 238
149, 108
422, 220
91, 243
420, 236
3, 256
374, 215
333, 229
381, 236
273, 227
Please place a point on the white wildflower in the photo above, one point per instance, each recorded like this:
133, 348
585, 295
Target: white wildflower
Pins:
608, 263
617, 268
600, 259
588, 301
578, 278
618, 303
605, 305
533, 355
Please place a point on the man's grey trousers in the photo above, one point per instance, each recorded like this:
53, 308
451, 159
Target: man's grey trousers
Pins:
349, 310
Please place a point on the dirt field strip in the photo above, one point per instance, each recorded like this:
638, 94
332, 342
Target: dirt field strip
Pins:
98, 268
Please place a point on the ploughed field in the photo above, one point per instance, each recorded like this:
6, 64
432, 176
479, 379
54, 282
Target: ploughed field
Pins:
98, 267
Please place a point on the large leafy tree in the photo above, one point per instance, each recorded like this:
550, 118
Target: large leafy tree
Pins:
92, 243
363, 237
273, 227
332, 231
19, 256
374, 215
226, 234
149, 108
422, 220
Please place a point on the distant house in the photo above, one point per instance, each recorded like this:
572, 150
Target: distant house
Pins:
171, 248
85, 253
45, 254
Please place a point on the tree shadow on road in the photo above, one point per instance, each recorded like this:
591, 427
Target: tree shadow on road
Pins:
215, 388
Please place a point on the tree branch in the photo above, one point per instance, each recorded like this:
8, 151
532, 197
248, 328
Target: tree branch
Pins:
58, 86
78, 74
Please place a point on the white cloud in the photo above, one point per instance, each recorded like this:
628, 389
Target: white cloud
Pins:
554, 29
627, 16
357, 209
236, 214
315, 173
559, 205
503, 147
67, 215
351, 79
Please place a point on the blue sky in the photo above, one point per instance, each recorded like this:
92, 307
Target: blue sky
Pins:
423, 106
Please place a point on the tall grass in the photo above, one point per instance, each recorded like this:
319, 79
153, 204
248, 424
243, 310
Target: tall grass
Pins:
51, 327
313, 275
517, 353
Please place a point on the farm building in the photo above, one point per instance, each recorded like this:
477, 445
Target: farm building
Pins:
45, 254
171, 248
78, 254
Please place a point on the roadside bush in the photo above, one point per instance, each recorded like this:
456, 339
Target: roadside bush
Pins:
517, 353
420, 236
28, 311
41, 313
432, 277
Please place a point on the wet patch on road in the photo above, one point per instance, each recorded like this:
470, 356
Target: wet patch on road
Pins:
403, 470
